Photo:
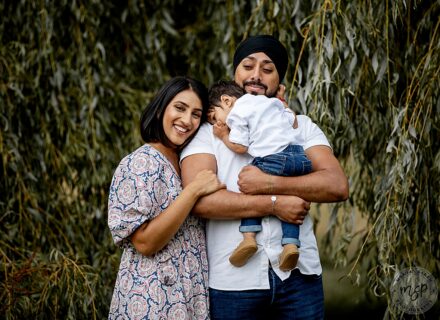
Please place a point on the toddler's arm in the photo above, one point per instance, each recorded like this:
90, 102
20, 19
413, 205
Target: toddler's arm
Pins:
221, 131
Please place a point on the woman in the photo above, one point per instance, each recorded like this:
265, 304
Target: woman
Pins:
163, 270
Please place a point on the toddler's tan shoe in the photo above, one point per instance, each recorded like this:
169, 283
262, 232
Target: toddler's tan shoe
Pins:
245, 250
289, 257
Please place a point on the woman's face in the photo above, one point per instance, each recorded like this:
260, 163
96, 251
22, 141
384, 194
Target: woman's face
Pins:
182, 117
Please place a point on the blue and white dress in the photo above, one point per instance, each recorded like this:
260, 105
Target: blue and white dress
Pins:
173, 283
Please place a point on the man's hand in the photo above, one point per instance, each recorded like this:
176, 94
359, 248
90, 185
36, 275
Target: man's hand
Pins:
291, 209
252, 180
221, 130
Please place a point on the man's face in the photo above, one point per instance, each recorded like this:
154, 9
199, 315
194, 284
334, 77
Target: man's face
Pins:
257, 75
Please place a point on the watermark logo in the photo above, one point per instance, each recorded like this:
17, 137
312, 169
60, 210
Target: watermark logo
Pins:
414, 290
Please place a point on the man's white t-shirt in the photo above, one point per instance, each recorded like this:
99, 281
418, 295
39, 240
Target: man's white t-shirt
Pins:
223, 236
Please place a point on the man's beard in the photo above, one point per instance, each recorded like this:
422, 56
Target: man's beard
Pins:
263, 86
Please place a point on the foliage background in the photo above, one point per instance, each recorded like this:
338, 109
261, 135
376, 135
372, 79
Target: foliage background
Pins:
75, 75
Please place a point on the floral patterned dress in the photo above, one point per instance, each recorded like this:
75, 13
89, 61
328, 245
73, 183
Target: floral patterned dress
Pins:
173, 283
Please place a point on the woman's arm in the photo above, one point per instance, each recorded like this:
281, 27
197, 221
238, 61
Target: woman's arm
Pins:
153, 235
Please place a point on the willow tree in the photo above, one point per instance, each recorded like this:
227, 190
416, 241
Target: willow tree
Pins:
75, 76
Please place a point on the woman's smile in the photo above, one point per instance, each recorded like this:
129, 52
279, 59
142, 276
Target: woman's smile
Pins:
182, 117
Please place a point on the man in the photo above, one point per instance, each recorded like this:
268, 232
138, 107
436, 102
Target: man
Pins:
259, 289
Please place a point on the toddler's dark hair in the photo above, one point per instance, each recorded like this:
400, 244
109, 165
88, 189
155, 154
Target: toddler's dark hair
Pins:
222, 87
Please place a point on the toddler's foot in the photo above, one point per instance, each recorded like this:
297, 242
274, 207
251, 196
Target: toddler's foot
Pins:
243, 252
289, 257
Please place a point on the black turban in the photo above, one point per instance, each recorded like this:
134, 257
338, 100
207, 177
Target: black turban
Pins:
267, 44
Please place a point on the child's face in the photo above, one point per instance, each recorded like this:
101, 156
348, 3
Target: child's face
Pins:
220, 111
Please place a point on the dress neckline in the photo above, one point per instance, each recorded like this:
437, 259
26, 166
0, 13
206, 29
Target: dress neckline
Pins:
166, 159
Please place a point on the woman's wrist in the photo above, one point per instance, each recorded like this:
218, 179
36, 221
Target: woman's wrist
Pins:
194, 190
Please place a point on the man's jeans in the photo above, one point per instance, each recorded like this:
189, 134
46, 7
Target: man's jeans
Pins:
298, 297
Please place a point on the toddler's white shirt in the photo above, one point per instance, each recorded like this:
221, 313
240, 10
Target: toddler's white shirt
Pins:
262, 124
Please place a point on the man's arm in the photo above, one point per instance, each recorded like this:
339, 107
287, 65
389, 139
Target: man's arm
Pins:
225, 204
326, 183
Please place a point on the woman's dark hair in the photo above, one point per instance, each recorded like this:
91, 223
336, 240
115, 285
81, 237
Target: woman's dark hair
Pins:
222, 87
152, 116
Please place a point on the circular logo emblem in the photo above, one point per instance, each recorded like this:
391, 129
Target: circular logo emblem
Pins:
414, 290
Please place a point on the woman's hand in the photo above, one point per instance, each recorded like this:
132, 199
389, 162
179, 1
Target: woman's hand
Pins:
154, 234
205, 182
252, 180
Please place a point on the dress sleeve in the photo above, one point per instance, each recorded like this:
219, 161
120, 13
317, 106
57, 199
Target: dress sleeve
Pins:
138, 193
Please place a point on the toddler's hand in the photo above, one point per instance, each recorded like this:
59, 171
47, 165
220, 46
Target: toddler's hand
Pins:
221, 129
280, 94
